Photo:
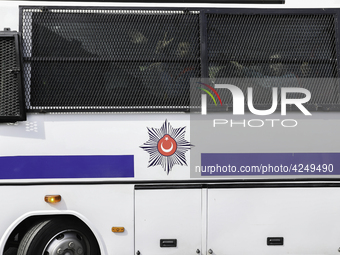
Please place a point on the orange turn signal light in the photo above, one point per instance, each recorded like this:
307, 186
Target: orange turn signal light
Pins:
118, 229
52, 199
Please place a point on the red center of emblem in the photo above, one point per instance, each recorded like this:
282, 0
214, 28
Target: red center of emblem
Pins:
167, 146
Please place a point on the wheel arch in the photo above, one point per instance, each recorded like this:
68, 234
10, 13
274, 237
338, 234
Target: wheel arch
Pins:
26, 221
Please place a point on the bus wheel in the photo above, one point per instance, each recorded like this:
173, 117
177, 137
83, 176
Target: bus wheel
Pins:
59, 237
11, 251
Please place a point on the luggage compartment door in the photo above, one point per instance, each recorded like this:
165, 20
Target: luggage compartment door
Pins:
271, 221
168, 221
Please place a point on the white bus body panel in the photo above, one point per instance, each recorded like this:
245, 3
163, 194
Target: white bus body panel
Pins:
227, 221
168, 214
101, 207
241, 220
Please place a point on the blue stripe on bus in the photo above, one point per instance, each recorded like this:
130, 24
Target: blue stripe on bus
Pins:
218, 164
37, 167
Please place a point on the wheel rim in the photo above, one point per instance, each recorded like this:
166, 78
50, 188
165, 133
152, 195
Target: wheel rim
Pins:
67, 242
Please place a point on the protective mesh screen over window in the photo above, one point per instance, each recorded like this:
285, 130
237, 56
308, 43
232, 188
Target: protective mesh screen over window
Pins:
275, 50
109, 59
106, 59
11, 98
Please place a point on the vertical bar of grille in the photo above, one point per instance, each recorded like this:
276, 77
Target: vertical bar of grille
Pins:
204, 44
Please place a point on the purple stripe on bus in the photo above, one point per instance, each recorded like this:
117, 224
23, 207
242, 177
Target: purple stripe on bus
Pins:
93, 166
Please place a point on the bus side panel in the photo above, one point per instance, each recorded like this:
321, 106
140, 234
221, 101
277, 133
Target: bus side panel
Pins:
241, 221
101, 207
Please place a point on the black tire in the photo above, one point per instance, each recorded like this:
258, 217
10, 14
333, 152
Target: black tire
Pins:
11, 251
59, 236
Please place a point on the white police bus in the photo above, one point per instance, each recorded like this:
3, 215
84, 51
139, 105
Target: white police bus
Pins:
104, 150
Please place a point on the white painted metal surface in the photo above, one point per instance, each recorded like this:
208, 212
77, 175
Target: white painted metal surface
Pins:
235, 221
91, 134
241, 220
100, 207
168, 214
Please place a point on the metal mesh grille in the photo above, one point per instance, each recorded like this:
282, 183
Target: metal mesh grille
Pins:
273, 51
9, 81
108, 59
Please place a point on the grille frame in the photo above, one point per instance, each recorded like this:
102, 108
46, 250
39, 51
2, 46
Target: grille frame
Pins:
204, 59
152, 109
17, 73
